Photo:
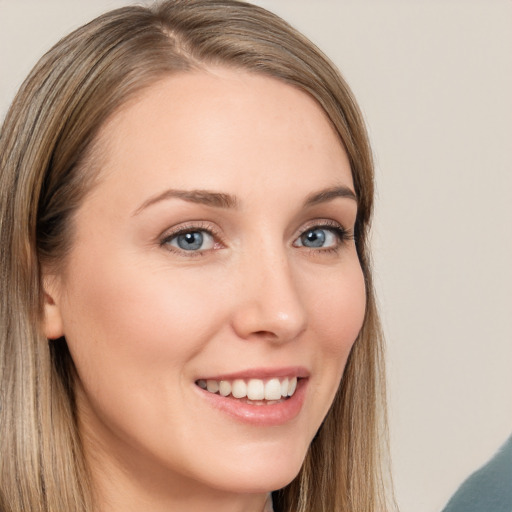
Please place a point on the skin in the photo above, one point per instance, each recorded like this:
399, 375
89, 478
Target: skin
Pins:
145, 319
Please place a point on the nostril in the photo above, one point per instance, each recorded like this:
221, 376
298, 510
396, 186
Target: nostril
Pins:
265, 334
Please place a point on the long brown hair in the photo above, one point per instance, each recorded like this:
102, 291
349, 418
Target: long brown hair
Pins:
47, 166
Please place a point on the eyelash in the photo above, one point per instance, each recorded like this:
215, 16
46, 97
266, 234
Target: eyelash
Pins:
342, 234
194, 227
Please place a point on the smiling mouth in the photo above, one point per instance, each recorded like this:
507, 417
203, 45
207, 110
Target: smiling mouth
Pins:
252, 391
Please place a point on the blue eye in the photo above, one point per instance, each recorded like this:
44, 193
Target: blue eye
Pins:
320, 237
192, 241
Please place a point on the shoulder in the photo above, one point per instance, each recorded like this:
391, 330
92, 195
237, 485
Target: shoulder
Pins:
489, 488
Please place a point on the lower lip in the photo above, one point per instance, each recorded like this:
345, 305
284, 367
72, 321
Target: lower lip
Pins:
259, 415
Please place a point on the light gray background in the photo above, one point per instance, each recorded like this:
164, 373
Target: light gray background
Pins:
434, 79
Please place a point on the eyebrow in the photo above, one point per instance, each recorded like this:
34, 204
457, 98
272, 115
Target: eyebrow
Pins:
206, 197
222, 200
329, 194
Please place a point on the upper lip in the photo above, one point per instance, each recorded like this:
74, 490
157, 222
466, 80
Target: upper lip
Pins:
261, 373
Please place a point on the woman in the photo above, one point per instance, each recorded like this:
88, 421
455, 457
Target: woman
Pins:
187, 314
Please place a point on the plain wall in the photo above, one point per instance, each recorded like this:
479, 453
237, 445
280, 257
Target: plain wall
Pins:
433, 79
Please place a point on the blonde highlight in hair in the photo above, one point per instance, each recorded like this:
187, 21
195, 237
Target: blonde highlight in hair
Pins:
49, 162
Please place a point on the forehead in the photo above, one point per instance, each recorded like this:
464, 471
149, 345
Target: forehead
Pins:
221, 125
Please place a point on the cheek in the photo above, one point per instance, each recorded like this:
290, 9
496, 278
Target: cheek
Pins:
337, 312
131, 329
138, 316
132, 334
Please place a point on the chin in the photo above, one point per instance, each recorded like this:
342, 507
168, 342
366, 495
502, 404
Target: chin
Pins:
257, 482
262, 472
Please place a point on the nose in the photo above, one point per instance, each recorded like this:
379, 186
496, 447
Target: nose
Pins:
269, 304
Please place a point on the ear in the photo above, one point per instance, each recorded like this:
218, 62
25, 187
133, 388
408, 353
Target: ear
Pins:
53, 328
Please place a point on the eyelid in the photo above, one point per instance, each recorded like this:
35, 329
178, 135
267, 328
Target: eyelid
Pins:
324, 223
187, 227
344, 234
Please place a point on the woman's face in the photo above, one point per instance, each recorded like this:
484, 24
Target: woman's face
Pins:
216, 250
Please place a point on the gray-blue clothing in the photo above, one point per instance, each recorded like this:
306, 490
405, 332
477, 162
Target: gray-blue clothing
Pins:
489, 489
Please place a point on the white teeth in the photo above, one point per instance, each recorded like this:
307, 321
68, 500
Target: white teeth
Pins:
292, 386
224, 388
239, 388
257, 402
273, 390
257, 391
284, 387
212, 386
